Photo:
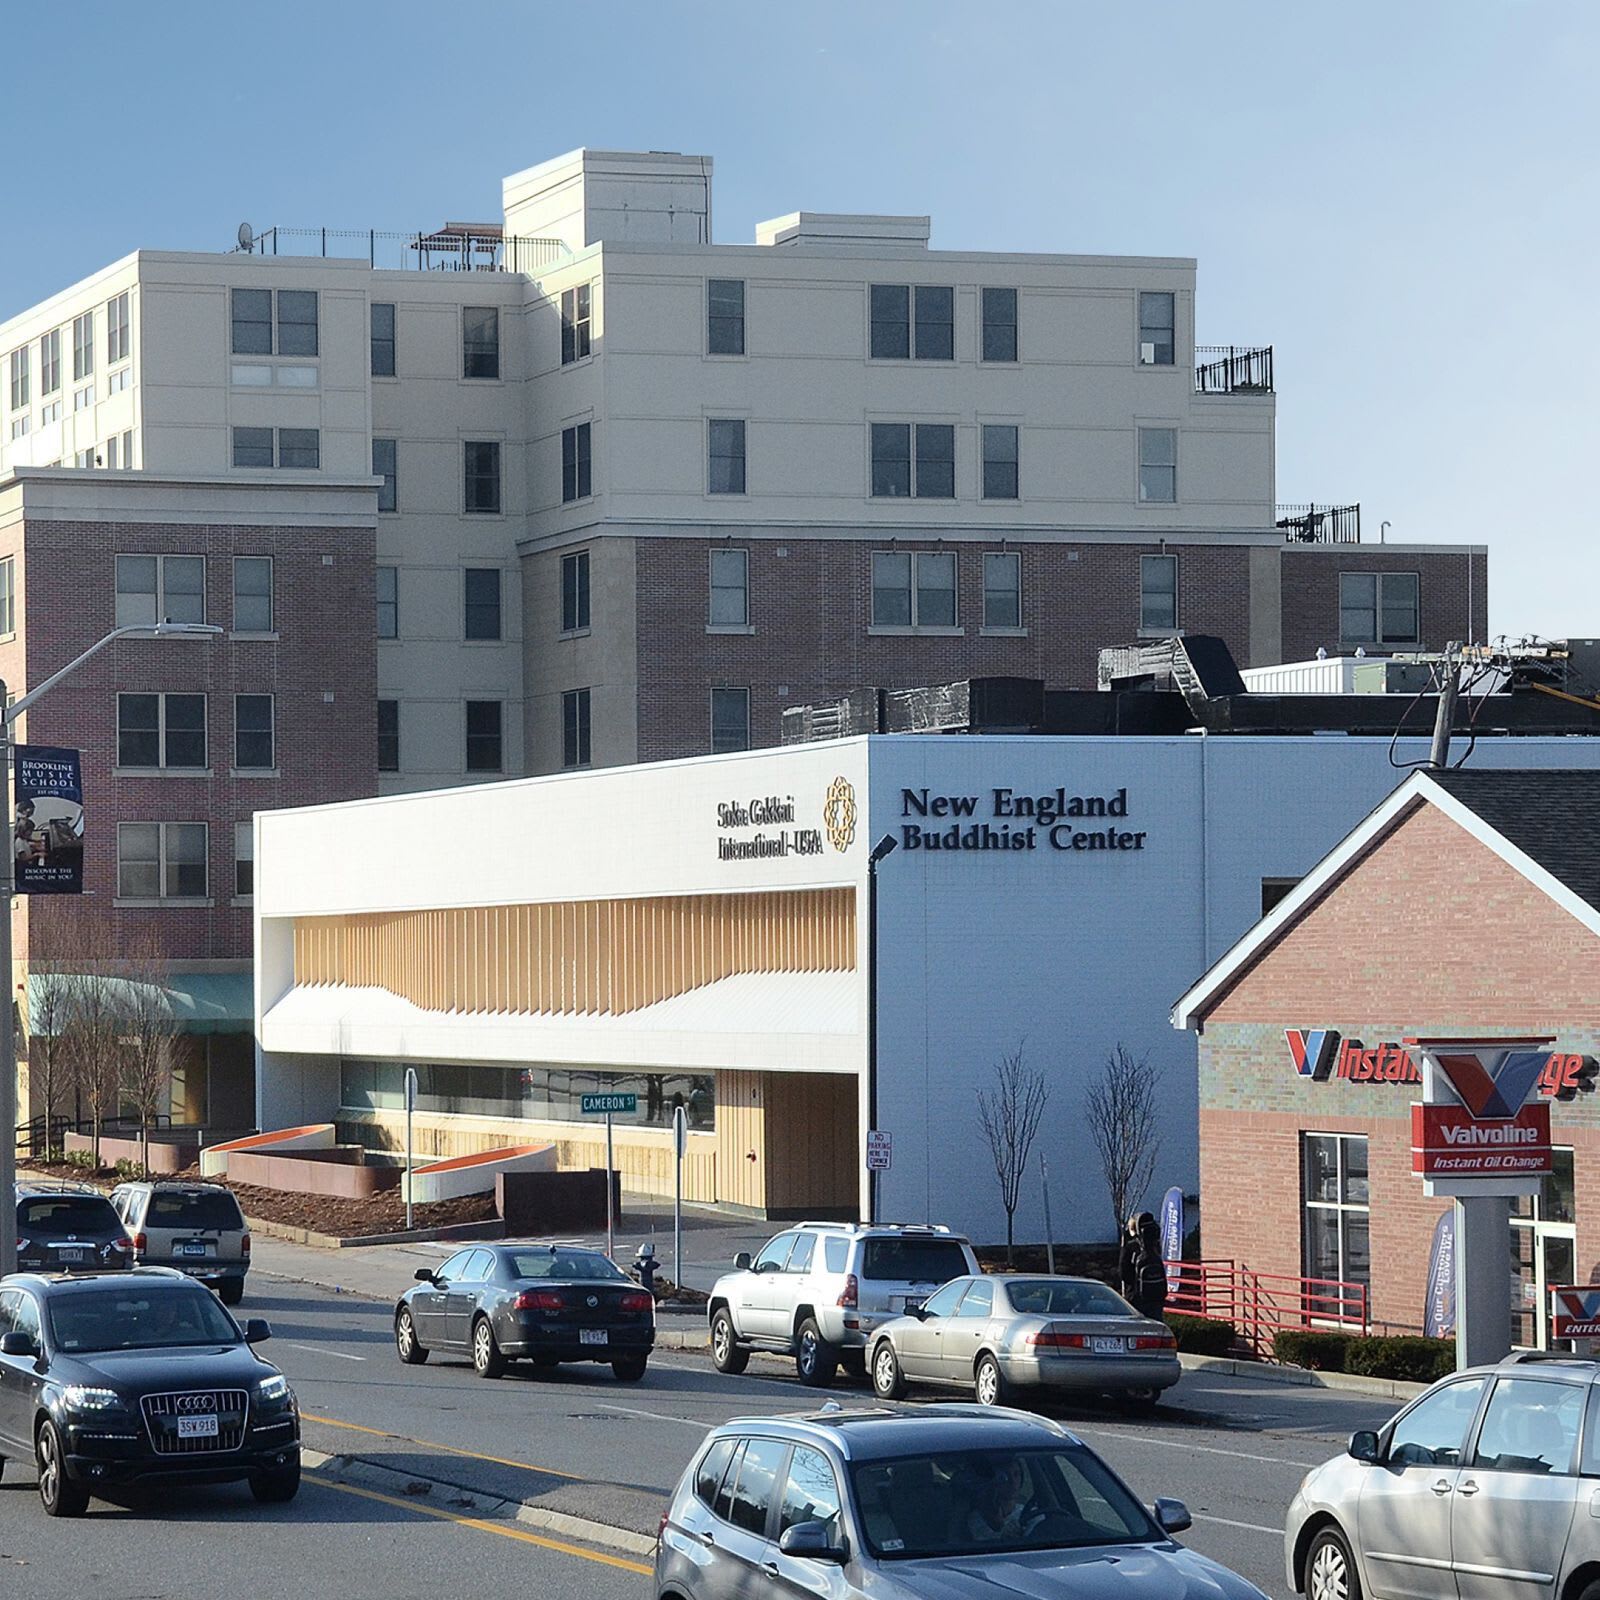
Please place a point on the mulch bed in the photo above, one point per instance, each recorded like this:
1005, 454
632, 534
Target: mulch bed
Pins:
1072, 1260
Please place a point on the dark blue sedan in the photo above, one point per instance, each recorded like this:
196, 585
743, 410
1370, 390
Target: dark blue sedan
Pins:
544, 1303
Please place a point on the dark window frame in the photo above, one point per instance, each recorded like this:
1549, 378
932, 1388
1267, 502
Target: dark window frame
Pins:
577, 730
575, 592
1379, 634
1147, 439
485, 746
482, 614
270, 596
388, 736
382, 347
915, 621
242, 734
388, 605
577, 462
480, 355
1147, 592
725, 327
999, 338
726, 432
386, 465
728, 735
990, 620
577, 323
1161, 334
482, 488
1000, 474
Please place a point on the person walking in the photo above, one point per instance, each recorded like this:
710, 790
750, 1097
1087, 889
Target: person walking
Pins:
1141, 1268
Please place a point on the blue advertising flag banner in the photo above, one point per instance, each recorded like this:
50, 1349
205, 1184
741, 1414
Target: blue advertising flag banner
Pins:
1172, 1232
1439, 1314
47, 832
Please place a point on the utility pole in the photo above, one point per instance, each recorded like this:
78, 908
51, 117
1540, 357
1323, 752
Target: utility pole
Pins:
1445, 717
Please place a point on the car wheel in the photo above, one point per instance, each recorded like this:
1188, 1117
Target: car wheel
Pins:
279, 1485
487, 1361
630, 1369
58, 1494
405, 1339
1139, 1402
888, 1381
727, 1355
231, 1291
990, 1383
1330, 1573
815, 1360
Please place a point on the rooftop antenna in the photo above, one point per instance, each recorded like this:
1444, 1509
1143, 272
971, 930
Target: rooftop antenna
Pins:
247, 239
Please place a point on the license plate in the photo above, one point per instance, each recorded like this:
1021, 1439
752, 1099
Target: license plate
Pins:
70, 1255
1107, 1346
191, 1249
591, 1335
197, 1427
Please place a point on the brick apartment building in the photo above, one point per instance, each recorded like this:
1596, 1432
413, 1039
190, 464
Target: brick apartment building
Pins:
1467, 906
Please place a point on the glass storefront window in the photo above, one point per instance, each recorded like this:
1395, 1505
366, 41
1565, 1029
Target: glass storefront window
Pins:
1335, 1243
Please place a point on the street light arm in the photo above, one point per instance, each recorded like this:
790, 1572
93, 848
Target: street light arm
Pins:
157, 630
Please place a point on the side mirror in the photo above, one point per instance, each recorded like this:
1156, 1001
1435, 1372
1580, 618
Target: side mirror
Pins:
424, 1275
921, 1313
18, 1344
741, 1262
256, 1329
1172, 1516
811, 1541
1364, 1445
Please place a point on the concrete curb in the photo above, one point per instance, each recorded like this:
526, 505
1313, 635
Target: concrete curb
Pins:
1303, 1377
373, 1475
493, 1229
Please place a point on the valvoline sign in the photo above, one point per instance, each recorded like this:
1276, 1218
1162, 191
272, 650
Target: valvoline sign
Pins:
1320, 1054
1575, 1312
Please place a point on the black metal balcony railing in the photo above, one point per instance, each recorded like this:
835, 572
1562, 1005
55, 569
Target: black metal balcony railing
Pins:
1313, 524
1232, 369
457, 247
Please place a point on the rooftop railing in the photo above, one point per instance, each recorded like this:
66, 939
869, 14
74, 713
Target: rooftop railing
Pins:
455, 248
1314, 524
1232, 369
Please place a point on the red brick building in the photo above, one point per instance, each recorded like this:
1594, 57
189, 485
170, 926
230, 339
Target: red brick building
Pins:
1467, 905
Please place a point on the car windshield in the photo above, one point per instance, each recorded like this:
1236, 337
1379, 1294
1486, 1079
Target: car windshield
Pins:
203, 1208
80, 1213
584, 1265
913, 1260
976, 1502
93, 1320
1051, 1297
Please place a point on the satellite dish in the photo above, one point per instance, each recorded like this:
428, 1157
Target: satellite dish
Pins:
247, 239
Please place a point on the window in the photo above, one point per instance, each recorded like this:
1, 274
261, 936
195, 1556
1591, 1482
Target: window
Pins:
300, 449
999, 461
48, 414
483, 736
943, 1302
252, 733
21, 370
161, 730
913, 590
161, 860
1158, 593
480, 342
1530, 1426
50, 362
385, 453
1156, 343
1002, 589
726, 474
836, 1252
82, 346
297, 322
252, 322
252, 594
978, 1301
252, 447
244, 860
118, 381
730, 720
757, 1484
1379, 607
709, 1474
482, 458
725, 316
730, 588
1158, 465
388, 736
119, 339
810, 1492
575, 324
575, 592
382, 339
577, 480
800, 1257
8, 595
84, 458
482, 600
928, 472
83, 398
1334, 1182
19, 428
910, 322
388, 602
119, 450
1274, 891
160, 589
575, 728
1434, 1430
999, 325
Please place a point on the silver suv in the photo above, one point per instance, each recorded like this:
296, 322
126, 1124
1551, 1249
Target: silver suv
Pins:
819, 1290
195, 1227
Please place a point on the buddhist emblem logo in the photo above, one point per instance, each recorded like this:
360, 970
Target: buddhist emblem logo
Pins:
839, 814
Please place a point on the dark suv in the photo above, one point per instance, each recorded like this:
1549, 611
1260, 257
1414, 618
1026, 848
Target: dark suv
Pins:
65, 1227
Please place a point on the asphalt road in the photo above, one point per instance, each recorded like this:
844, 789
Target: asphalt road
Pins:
580, 1442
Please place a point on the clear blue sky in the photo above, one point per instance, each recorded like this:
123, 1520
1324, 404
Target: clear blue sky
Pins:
1401, 198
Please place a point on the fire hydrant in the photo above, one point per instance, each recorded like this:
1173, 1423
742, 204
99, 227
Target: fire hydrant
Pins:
646, 1265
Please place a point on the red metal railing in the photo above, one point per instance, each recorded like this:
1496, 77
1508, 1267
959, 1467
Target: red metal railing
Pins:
1261, 1304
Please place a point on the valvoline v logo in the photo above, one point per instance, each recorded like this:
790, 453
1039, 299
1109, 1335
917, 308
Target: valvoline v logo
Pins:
1576, 1312
1313, 1051
1492, 1084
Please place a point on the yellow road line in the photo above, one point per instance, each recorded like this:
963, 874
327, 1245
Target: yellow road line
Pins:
446, 1449
483, 1526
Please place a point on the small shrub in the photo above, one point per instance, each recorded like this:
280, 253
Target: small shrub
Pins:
81, 1158
54, 1156
1202, 1336
128, 1168
1407, 1357
1317, 1349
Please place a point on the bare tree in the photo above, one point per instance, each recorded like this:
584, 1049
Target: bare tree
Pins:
52, 1067
1121, 1109
1009, 1116
93, 1040
148, 1032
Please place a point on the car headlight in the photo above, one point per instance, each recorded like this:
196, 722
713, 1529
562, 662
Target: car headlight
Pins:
81, 1397
273, 1390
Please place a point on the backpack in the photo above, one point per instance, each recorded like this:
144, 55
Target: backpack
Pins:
1150, 1273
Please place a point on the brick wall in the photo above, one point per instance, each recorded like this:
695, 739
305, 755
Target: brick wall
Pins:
325, 617
810, 604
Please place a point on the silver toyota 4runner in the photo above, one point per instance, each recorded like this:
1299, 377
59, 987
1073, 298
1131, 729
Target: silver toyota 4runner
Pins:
818, 1290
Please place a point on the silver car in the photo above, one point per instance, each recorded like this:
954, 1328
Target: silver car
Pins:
942, 1501
1484, 1487
1002, 1336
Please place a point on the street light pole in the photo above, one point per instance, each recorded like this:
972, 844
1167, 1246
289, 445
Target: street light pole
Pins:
8, 886
883, 849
